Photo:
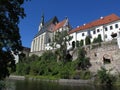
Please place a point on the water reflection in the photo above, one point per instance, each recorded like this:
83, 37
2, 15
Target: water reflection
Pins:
43, 85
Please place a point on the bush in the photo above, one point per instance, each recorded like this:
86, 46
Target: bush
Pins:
87, 40
82, 75
81, 43
105, 77
83, 62
77, 43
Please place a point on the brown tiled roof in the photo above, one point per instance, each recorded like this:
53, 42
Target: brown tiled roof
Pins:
59, 25
102, 21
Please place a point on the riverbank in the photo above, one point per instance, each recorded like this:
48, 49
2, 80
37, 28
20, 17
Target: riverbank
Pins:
14, 77
60, 81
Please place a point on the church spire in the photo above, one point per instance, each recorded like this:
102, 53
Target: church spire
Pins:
42, 22
42, 19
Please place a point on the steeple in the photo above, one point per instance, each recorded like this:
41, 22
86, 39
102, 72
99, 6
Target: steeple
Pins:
42, 22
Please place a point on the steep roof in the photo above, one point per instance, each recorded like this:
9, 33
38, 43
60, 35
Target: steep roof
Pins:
59, 25
46, 25
101, 21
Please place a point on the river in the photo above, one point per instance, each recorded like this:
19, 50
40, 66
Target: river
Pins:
45, 85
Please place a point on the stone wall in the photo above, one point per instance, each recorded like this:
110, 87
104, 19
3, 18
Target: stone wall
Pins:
104, 51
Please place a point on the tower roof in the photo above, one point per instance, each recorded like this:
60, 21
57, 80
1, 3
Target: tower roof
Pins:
46, 25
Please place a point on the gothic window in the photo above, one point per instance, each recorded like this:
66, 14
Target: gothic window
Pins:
49, 40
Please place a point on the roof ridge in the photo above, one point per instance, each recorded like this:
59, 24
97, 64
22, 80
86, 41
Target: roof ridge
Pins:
97, 22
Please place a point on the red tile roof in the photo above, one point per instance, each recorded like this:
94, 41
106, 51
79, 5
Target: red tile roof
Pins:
59, 25
102, 21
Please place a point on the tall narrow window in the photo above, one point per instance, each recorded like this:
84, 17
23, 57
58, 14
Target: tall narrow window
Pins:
116, 25
106, 29
94, 32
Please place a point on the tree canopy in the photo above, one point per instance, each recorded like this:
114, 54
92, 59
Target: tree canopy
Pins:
10, 43
61, 39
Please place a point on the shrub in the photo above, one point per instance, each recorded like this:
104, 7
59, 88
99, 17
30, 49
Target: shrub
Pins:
77, 43
87, 40
105, 77
81, 43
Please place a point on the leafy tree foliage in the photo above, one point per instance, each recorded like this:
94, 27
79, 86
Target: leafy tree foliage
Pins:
10, 13
105, 77
61, 38
77, 43
81, 43
87, 40
83, 61
98, 39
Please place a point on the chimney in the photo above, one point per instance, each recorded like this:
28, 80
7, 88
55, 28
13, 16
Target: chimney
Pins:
101, 17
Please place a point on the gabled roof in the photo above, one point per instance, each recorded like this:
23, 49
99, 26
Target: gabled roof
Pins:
52, 20
46, 25
101, 21
59, 25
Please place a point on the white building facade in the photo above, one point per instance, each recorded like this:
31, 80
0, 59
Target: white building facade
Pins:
105, 26
46, 32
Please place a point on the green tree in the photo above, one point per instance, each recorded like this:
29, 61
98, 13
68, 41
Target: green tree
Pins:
98, 39
105, 77
87, 40
81, 43
61, 38
10, 13
77, 43
82, 60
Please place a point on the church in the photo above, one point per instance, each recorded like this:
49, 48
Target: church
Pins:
106, 27
46, 31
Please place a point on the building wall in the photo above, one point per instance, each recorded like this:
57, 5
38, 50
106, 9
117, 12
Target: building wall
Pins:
95, 31
38, 43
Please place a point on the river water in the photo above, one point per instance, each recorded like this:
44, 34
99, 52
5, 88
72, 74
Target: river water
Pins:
45, 85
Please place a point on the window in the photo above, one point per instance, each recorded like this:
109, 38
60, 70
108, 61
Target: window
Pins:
116, 25
106, 28
111, 27
98, 30
94, 32
83, 34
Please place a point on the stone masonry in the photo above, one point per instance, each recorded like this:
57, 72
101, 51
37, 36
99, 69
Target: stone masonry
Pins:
108, 50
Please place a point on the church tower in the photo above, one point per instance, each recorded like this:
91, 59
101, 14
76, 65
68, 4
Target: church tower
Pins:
41, 23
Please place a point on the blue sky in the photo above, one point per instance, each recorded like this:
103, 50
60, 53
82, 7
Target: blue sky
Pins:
77, 11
